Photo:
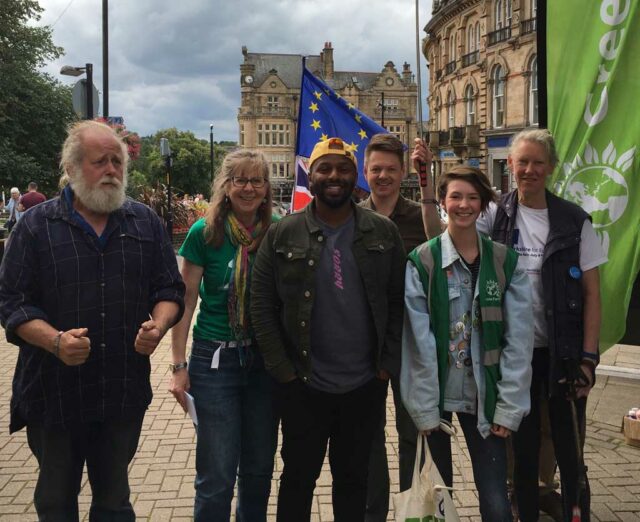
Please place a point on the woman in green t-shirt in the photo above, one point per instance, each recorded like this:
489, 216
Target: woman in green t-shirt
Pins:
237, 424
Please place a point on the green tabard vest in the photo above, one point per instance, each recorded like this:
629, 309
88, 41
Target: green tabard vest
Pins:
497, 264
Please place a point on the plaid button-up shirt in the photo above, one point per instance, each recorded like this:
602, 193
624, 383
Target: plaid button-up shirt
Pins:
55, 270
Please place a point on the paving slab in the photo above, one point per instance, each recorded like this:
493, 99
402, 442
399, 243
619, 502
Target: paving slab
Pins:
162, 472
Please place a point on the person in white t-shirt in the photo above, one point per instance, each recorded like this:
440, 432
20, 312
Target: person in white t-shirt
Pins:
561, 253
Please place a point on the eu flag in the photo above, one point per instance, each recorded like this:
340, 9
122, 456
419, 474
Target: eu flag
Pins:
325, 114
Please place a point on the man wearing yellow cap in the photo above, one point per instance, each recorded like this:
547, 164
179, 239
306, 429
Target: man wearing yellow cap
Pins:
327, 303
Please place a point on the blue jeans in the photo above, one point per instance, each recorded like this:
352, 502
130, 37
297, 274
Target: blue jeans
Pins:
237, 432
489, 463
107, 447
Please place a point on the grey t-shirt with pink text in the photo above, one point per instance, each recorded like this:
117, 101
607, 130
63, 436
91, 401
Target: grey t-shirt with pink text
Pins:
342, 334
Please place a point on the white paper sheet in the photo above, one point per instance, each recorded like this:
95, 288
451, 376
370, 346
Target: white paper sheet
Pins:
191, 408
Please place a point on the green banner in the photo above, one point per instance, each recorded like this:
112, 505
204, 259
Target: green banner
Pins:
593, 88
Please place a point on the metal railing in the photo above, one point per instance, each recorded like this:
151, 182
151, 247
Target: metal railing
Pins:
528, 26
456, 135
470, 58
498, 36
450, 67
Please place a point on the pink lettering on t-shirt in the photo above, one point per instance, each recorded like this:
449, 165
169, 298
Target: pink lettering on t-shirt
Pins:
337, 269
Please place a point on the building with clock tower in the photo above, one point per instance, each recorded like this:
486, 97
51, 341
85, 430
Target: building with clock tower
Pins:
270, 94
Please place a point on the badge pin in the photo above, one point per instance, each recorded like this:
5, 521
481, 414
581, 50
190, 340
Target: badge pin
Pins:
462, 355
463, 345
458, 364
459, 326
467, 361
467, 335
575, 272
452, 347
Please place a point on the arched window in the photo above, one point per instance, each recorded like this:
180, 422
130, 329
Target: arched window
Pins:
477, 36
534, 8
498, 97
507, 13
499, 15
437, 113
533, 92
451, 109
470, 103
471, 39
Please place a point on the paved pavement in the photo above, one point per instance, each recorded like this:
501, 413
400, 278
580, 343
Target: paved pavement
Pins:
163, 470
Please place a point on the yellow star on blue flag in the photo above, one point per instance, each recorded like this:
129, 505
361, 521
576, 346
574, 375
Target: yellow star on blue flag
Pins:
336, 117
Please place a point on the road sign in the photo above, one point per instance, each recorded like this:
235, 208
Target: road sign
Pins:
79, 99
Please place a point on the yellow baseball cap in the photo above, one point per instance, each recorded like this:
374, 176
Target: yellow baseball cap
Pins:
332, 146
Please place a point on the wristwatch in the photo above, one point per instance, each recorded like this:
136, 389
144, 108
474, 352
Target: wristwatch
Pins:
179, 366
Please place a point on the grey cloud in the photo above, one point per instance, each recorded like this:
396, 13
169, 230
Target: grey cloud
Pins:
176, 63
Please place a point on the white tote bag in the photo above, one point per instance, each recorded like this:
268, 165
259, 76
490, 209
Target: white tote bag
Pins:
428, 499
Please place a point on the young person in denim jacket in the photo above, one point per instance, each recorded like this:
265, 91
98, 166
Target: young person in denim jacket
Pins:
467, 340
237, 424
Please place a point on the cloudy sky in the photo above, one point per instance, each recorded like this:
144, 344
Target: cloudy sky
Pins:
176, 63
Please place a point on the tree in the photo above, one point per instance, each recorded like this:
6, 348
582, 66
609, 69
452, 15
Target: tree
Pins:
191, 170
35, 109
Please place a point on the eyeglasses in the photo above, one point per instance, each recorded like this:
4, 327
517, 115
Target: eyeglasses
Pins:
242, 182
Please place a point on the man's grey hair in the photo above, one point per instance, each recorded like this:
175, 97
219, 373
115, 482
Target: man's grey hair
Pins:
73, 149
540, 136
15, 190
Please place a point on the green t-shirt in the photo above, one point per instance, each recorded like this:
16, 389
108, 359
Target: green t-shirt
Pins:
212, 322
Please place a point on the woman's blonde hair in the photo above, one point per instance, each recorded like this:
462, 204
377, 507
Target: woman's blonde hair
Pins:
235, 163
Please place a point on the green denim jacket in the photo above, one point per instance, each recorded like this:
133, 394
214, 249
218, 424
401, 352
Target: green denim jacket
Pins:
283, 284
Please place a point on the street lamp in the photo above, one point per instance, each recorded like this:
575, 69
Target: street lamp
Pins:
69, 70
211, 144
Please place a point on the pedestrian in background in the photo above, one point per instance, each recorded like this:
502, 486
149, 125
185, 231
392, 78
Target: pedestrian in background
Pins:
14, 208
32, 197
237, 423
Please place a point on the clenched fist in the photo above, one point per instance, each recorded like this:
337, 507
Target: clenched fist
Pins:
74, 346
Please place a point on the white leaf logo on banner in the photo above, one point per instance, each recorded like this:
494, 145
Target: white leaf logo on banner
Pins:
596, 183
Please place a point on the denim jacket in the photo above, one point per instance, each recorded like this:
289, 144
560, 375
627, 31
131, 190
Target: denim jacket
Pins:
283, 285
465, 388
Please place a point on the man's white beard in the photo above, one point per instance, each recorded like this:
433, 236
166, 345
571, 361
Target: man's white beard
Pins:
104, 197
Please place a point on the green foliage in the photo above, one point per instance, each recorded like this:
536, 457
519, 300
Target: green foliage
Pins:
35, 109
191, 169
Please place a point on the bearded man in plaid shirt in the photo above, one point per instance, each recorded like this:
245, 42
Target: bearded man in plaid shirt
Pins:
89, 285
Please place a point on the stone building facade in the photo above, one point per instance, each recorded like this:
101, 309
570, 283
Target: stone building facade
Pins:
482, 81
270, 95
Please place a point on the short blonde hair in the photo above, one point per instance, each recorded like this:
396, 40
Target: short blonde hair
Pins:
540, 136
73, 147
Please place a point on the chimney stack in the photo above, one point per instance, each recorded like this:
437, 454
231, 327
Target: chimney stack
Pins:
327, 61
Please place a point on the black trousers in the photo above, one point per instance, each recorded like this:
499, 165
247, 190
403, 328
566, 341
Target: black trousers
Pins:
106, 447
311, 419
526, 446
378, 487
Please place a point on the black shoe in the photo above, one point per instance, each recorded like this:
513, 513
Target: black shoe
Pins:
551, 504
